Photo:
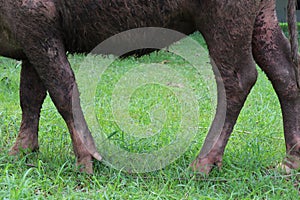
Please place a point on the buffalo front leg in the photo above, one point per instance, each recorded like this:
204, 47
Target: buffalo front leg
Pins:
40, 37
272, 52
32, 95
57, 76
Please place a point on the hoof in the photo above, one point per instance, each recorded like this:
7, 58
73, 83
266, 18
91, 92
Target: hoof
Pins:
289, 164
204, 165
85, 164
85, 160
26, 142
22, 148
283, 168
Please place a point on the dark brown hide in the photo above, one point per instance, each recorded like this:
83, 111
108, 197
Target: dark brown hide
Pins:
238, 34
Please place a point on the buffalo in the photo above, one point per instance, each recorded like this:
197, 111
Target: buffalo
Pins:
238, 33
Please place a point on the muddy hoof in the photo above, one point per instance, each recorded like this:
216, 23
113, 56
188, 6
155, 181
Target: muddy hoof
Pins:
204, 165
85, 164
22, 148
26, 142
289, 164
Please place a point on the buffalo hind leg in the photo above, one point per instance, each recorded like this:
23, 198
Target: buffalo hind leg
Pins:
32, 95
238, 83
232, 56
272, 52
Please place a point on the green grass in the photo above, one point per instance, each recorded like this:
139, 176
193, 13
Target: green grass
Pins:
285, 29
256, 145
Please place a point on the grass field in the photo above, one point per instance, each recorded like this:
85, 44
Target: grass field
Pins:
256, 145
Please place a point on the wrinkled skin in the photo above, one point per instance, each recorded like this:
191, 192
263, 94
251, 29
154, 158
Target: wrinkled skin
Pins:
239, 33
